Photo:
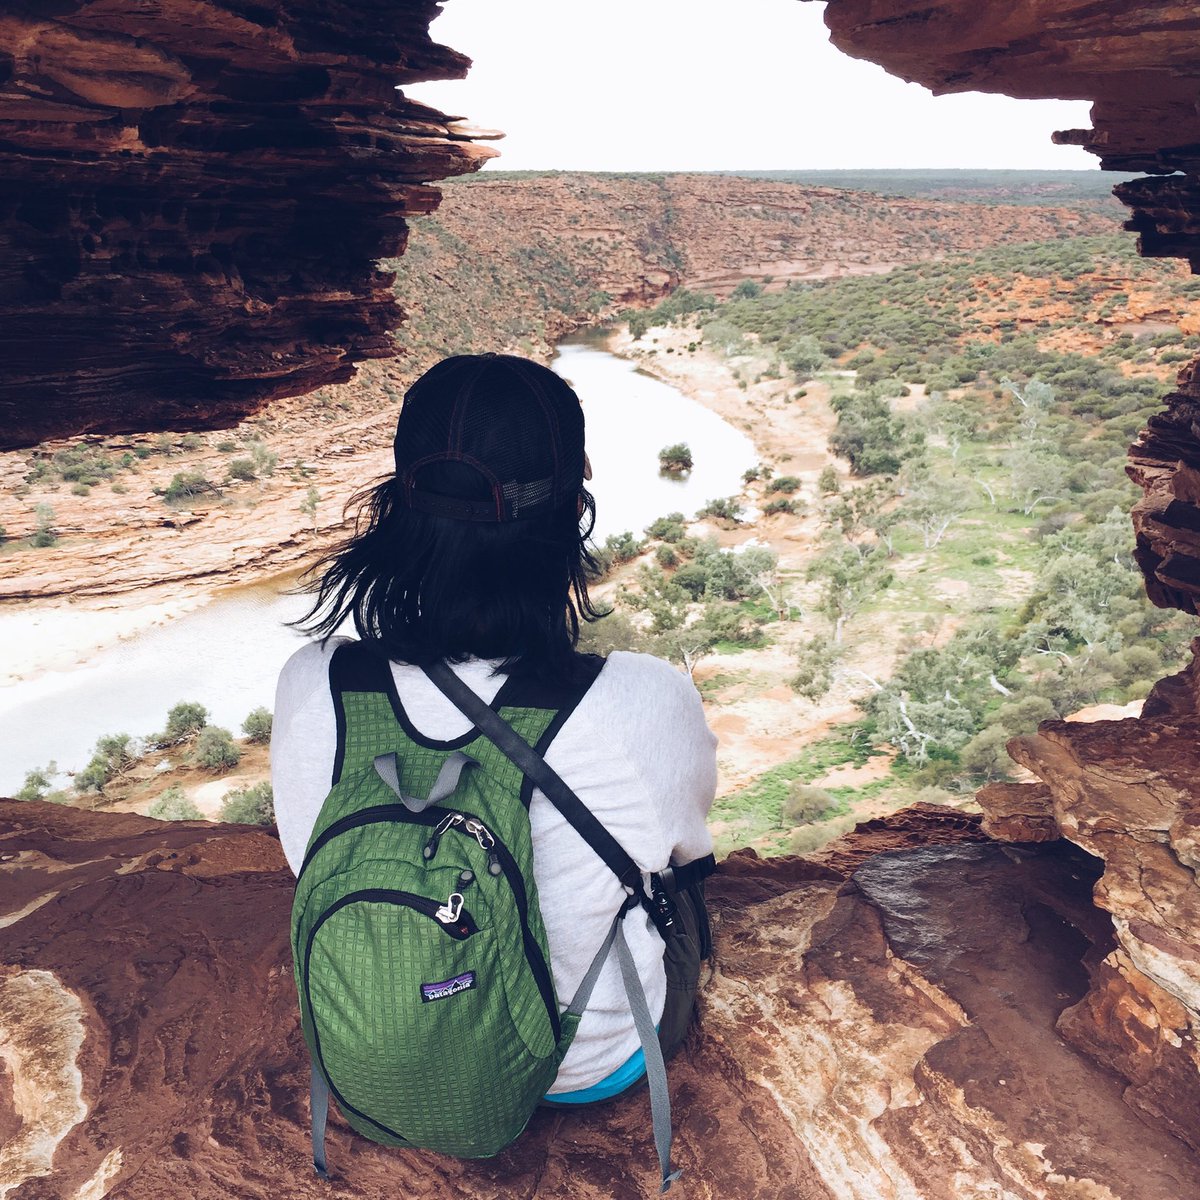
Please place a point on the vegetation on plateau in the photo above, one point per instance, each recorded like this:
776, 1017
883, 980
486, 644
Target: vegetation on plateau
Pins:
984, 407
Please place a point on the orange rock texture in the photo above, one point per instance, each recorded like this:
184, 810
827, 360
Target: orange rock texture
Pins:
859, 1037
193, 198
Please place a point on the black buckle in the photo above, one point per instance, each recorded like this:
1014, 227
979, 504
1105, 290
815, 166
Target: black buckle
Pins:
662, 907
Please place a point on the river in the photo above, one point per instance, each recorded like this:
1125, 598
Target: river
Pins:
227, 653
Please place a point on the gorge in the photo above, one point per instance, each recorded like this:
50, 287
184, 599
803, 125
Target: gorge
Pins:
880, 1020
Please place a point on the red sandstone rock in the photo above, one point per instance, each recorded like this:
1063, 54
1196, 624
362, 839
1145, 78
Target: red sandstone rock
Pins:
890, 1035
193, 197
1018, 812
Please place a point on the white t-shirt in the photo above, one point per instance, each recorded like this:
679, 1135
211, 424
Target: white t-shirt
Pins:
636, 751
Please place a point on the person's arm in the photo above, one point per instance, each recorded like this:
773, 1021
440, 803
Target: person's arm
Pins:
303, 746
660, 723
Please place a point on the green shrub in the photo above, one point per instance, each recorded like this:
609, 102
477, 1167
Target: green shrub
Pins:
783, 483
173, 805
191, 441
113, 754
724, 508
37, 783
264, 458
675, 459
254, 805
216, 750
670, 528
666, 556
226, 446
747, 289
43, 532
828, 483
186, 485
257, 726
242, 469
805, 804
184, 721
80, 489
781, 505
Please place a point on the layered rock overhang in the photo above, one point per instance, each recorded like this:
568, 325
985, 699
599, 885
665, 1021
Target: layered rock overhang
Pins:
1140, 65
194, 195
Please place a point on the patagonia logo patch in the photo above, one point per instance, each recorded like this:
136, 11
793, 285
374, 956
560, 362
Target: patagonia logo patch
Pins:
449, 987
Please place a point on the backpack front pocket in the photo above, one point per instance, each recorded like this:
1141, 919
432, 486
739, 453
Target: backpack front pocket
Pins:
398, 988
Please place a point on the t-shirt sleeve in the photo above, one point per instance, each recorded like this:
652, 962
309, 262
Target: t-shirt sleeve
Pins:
659, 722
303, 745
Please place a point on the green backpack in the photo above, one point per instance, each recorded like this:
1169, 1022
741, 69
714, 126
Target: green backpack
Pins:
426, 996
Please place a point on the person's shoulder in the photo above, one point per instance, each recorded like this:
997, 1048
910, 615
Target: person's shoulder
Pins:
647, 674
309, 666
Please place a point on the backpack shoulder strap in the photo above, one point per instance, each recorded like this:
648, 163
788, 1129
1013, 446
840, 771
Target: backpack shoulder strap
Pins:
519, 751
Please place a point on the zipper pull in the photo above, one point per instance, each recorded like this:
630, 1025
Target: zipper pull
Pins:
487, 842
466, 878
451, 910
447, 822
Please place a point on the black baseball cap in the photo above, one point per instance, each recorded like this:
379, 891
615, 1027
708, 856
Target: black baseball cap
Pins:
489, 437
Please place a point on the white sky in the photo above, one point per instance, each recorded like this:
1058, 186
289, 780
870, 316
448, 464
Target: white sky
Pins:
669, 85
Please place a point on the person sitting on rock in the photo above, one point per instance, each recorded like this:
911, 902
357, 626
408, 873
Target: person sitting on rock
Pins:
473, 553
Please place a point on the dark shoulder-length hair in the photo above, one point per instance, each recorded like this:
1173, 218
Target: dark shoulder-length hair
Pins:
427, 587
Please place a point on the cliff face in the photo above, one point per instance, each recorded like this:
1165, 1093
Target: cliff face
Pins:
504, 256
859, 1038
1140, 66
193, 198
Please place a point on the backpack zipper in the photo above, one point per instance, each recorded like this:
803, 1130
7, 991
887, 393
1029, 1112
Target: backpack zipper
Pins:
499, 856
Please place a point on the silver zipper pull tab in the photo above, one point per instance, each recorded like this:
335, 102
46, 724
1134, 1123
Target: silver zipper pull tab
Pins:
451, 910
480, 832
447, 822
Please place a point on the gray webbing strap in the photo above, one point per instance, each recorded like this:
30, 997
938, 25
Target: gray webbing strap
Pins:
388, 769
318, 1098
583, 993
656, 1069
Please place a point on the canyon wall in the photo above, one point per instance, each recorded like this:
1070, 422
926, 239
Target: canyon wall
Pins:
194, 195
858, 1038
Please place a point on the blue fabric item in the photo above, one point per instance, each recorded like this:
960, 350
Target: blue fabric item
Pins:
628, 1073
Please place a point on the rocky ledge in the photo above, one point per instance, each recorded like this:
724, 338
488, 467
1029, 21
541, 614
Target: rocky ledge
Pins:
194, 195
879, 1023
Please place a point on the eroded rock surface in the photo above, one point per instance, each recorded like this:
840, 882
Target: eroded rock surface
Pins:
193, 197
1126, 791
883, 1034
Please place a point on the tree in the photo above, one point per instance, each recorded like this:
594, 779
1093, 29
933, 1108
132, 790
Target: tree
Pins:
114, 754
37, 782
1034, 399
934, 504
816, 660
1037, 475
804, 357
852, 576
216, 749
747, 289
257, 726
173, 805
675, 459
184, 721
